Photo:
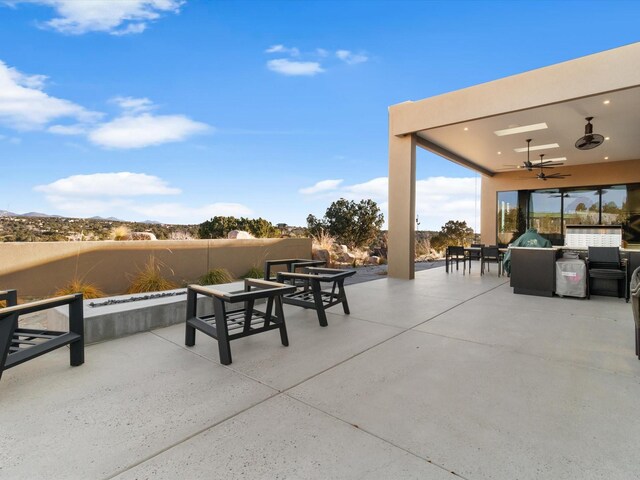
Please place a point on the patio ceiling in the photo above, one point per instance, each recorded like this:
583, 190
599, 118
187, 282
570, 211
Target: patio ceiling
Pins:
476, 141
461, 125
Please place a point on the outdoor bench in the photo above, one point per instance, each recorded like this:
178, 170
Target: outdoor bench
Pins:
19, 345
309, 292
227, 324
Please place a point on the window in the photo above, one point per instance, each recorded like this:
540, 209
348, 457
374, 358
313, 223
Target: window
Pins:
545, 214
581, 207
508, 215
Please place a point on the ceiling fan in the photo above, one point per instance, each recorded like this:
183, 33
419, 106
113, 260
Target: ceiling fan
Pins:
543, 176
529, 165
590, 139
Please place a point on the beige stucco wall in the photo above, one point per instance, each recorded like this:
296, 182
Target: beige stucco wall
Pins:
581, 175
577, 78
39, 268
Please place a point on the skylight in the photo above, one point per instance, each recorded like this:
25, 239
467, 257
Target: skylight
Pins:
522, 129
537, 147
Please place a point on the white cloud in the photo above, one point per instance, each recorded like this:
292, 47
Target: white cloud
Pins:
293, 68
351, 58
179, 213
438, 199
133, 105
117, 17
322, 186
129, 195
120, 184
144, 130
294, 52
25, 106
77, 129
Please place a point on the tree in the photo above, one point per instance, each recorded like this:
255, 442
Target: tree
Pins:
354, 224
452, 233
219, 227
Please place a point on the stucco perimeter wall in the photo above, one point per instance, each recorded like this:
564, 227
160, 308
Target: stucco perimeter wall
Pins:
40, 268
609, 173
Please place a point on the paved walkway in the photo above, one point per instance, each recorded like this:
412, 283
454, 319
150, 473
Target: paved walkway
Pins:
445, 377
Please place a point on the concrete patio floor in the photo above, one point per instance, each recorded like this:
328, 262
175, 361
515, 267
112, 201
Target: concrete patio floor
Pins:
444, 377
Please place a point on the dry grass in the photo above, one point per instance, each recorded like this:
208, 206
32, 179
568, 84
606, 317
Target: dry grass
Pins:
423, 247
88, 290
323, 241
150, 279
121, 233
216, 277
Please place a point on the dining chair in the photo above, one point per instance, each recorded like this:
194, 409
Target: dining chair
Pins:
490, 255
458, 254
605, 263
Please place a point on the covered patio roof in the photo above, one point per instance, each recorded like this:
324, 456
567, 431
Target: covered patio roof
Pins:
461, 126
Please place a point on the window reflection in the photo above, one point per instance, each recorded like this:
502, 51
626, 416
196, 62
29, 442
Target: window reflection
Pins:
508, 217
545, 214
581, 207
614, 205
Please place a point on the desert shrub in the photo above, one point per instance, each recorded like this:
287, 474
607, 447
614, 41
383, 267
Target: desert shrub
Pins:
121, 232
354, 224
150, 279
254, 272
88, 290
219, 227
423, 247
452, 233
215, 277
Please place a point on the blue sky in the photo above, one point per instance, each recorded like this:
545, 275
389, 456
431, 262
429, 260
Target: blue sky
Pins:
180, 110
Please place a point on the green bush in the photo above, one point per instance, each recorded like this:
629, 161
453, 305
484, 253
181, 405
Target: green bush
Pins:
216, 277
219, 227
355, 224
254, 272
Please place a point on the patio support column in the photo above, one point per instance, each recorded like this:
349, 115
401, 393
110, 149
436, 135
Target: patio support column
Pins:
402, 206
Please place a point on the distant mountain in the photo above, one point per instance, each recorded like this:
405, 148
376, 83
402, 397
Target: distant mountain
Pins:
38, 214
112, 219
6, 213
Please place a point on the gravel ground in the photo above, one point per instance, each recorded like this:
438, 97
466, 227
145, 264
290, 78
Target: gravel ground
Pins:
374, 272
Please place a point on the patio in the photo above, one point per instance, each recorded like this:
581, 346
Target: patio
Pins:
443, 377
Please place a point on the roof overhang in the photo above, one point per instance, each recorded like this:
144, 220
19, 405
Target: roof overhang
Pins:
461, 125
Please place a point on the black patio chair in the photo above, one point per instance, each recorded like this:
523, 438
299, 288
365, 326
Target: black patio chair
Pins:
475, 255
291, 265
227, 324
310, 294
605, 263
18, 345
457, 254
491, 255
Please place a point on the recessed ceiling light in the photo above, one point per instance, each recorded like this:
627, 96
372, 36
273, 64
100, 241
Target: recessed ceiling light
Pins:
499, 153
466, 129
607, 102
522, 129
607, 138
537, 147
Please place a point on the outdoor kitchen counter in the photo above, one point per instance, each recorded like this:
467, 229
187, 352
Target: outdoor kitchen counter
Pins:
533, 269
